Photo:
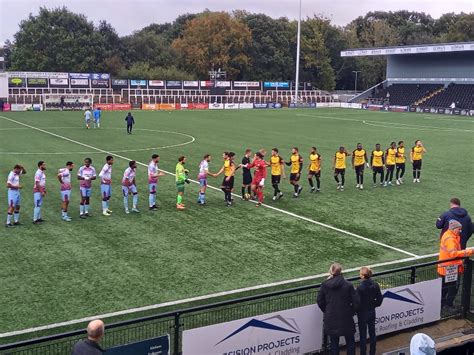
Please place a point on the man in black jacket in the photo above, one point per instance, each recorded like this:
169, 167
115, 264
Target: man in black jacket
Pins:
370, 298
338, 300
459, 214
130, 122
90, 346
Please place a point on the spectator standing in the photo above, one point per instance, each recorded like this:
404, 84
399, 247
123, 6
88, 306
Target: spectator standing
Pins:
459, 214
130, 122
338, 300
450, 247
370, 298
90, 346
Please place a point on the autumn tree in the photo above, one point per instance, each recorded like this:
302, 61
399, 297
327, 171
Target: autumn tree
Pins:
214, 39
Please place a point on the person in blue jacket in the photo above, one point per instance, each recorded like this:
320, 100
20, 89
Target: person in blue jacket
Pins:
459, 214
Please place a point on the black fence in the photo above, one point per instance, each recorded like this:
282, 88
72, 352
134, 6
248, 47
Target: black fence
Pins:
174, 323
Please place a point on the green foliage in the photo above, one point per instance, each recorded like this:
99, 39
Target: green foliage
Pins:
214, 40
142, 70
249, 46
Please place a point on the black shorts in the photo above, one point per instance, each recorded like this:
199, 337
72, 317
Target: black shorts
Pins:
390, 167
377, 169
417, 164
314, 173
359, 169
400, 166
228, 184
339, 171
295, 176
247, 178
276, 179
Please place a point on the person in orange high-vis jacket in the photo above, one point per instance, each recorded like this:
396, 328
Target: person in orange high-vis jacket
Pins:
450, 247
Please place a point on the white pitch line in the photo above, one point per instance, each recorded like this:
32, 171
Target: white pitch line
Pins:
215, 188
389, 124
198, 298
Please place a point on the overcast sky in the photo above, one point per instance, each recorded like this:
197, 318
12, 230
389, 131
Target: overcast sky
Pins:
129, 15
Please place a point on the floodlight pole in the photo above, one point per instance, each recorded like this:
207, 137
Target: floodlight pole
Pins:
355, 81
298, 39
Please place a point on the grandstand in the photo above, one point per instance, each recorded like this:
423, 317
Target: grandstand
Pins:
425, 78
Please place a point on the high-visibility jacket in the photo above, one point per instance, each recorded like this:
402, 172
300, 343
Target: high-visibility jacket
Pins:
450, 247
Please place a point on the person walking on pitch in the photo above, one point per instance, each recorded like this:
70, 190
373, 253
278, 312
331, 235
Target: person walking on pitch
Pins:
400, 162
314, 169
277, 170
130, 122
359, 161
339, 165
390, 161
246, 175
296, 163
377, 163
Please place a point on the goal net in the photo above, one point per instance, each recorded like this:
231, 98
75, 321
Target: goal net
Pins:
68, 102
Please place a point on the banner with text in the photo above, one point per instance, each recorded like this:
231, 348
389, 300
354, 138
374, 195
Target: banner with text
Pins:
29, 74
84, 83
135, 83
276, 84
37, 82
294, 331
409, 306
155, 346
191, 84
58, 82
156, 83
246, 84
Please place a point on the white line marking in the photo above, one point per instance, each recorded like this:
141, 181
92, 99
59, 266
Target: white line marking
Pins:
198, 298
389, 124
192, 140
217, 189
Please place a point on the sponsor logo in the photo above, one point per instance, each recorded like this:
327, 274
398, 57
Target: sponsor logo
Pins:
276, 323
156, 83
405, 295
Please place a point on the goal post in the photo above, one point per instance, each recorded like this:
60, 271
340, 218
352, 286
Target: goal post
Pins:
67, 102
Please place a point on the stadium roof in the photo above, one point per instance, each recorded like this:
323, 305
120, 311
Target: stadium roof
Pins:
415, 49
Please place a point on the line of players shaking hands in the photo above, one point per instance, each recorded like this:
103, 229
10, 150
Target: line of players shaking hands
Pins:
384, 163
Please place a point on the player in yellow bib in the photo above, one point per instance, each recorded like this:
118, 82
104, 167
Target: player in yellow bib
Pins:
377, 162
359, 160
390, 160
314, 169
416, 157
400, 162
229, 171
340, 167
296, 163
277, 169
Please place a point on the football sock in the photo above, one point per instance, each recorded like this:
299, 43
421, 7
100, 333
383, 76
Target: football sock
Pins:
310, 182
135, 200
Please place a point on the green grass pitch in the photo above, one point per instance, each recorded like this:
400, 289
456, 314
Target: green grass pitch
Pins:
60, 271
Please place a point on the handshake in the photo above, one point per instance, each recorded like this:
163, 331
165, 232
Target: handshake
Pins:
186, 172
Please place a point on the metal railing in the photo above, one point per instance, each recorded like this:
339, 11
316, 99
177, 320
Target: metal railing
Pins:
175, 322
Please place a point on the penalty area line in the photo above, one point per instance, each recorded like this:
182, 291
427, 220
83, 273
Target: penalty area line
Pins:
217, 189
199, 298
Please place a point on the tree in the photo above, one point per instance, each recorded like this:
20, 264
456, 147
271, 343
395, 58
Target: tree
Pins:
214, 40
150, 47
141, 70
6, 52
56, 40
270, 49
315, 55
456, 28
